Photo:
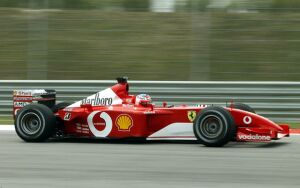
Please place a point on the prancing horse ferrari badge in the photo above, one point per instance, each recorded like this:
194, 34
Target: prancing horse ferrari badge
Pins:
191, 115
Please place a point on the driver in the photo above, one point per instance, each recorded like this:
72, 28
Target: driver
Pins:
143, 99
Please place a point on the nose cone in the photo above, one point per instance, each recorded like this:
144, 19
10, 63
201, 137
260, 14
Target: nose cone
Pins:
248, 119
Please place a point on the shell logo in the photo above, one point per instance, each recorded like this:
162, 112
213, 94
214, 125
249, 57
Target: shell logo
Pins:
124, 122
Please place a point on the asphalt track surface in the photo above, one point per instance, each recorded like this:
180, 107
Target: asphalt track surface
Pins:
90, 163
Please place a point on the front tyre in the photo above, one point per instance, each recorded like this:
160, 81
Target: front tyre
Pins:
35, 123
214, 126
242, 106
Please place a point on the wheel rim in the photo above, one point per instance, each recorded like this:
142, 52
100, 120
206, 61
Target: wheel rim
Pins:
30, 123
211, 127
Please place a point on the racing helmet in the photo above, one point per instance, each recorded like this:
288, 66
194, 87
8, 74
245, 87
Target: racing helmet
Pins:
143, 99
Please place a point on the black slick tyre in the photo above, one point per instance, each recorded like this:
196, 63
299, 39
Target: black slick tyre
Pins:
242, 106
35, 123
214, 126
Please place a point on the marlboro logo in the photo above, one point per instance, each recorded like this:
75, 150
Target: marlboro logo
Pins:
97, 101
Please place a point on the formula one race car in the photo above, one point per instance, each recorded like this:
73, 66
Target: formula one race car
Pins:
114, 114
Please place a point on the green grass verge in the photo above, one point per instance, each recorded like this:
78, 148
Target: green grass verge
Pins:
6, 120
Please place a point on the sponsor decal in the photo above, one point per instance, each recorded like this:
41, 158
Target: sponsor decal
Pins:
124, 122
22, 93
97, 101
149, 112
191, 115
105, 97
67, 116
108, 124
30, 92
38, 97
254, 137
81, 128
20, 104
199, 105
247, 120
84, 125
22, 98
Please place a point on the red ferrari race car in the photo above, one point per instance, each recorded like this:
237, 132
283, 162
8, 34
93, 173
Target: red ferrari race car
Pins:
114, 114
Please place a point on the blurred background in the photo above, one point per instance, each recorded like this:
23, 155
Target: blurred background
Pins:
150, 39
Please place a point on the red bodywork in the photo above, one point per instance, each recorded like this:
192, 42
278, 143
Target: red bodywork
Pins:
117, 116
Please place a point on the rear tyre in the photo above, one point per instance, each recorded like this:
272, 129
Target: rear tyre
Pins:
242, 106
214, 126
35, 123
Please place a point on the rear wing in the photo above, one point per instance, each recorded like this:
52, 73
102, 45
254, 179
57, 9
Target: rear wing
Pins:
22, 98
